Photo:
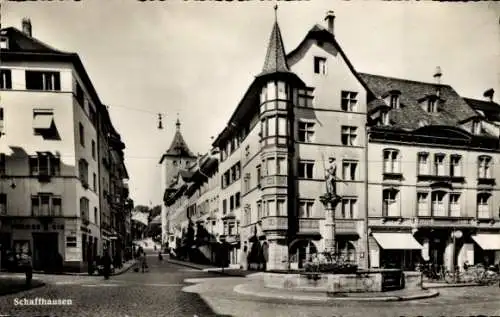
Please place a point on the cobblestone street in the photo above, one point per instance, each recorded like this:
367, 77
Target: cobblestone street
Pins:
164, 292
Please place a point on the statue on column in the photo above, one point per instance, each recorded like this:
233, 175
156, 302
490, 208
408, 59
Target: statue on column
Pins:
331, 177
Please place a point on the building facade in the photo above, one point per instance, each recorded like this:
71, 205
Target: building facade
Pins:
414, 166
50, 189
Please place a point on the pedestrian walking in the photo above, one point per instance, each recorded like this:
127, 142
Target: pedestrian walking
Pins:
144, 264
28, 267
160, 256
106, 263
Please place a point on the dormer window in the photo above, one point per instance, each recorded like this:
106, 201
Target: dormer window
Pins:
384, 118
476, 127
394, 101
4, 42
432, 105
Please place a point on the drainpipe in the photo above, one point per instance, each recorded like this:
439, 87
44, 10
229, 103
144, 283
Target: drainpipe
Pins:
367, 229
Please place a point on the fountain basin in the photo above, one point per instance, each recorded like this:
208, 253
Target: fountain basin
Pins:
363, 281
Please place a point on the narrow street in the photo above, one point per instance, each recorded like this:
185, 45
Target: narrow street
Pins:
163, 292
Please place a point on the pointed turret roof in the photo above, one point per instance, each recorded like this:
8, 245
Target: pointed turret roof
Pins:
275, 61
178, 147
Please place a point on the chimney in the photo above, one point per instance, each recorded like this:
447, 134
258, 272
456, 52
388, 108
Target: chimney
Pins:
489, 94
330, 18
26, 23
437, 75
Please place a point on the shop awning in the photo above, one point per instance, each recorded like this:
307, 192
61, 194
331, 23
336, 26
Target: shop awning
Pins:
487, 241
396, 241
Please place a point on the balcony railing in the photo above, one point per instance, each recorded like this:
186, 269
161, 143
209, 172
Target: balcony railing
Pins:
275, 223
273, 180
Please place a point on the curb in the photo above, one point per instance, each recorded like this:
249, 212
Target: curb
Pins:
186, 264
451, 285
208, 270
80, 273
240, 289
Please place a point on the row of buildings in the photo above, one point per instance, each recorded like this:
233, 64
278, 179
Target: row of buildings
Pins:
416, 168
63, 180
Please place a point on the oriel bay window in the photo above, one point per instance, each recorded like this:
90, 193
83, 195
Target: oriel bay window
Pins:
46, 204
391, 203
44, 164
274, 128
483, 206
275, 207
274, 96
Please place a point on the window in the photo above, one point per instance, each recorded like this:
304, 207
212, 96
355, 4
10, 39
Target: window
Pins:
4, 42
92, 115
306, 169
84, 208
281, 207
391, 203
394, 101
93, 149
455, 166
5, 79
94, 182
2, 164
438, 204
349, 170
282, 166
319, 65
259, 210
237, 200
423, 163
246, 182
44, 164
432, 105
439, 164
43, 124
305, 97
349, 101
259, 174
306, 132
384, 118
349, 210
247, 151
81, 134
79, 95
41, 80
349, 135
306, 209
282, 126
231, 203
1, 117
454, 203
483, 208
391, 161
423, 204
476, 127
46, 205
96, 216
269, 127
271, 166
83, 169
3, 204
484, 170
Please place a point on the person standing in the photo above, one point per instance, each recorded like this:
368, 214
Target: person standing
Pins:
106, 263
28, 267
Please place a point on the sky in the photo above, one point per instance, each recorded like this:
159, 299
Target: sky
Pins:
194, 60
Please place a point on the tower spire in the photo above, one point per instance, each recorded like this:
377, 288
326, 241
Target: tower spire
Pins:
178, 123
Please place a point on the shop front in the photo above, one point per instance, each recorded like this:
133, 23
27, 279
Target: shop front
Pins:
395, 250
486, 248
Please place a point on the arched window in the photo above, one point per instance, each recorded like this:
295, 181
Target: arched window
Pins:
391, 203
483, 205
392, 160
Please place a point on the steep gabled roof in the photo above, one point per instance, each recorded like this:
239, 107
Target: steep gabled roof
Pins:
489, 109
21, 42
454, 109
275, 57
178, 147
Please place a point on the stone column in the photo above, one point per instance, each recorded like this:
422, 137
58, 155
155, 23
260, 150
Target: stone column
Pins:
329, 226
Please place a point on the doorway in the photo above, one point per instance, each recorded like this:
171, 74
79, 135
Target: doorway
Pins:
45, 251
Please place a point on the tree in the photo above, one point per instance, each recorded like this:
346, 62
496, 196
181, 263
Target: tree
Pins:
155, 211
